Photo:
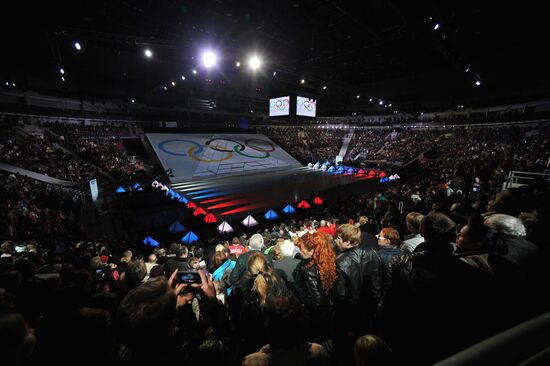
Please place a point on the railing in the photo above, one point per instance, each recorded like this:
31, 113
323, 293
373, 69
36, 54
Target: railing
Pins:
525, 344
516, 178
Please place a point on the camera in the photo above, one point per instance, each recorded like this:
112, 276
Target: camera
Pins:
188, 277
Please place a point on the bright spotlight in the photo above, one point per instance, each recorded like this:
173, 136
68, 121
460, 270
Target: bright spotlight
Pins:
133, 101
389, 105
77, 46
274, 73
238, 64
370, 99
478, 83
302, 81
182, 77
173, 83
467, 69
13, 84
165, 88
324, 87
7, 83
209, 59
381, 102
194, 72
62, 78
148, 53
254, 63
436, 26
62, 71
358, 96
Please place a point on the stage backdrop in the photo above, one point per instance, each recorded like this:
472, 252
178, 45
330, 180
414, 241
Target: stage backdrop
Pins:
205, 155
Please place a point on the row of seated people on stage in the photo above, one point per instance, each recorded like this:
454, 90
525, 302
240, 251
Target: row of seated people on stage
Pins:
364, 280
100, 145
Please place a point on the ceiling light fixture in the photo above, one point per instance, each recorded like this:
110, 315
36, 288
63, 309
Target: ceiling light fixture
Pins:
254, 62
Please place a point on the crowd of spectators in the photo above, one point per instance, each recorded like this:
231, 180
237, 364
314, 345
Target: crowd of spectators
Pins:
308, 144
79, 130
41, 156
366, 143
306, 290
397, 146
404, 145
408, 275
36, 211
100, 145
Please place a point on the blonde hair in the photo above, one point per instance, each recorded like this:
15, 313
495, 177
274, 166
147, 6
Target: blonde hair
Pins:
276, 253
262, 274
350, 233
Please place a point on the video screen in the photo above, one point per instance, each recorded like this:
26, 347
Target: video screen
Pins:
306, 107
279, 106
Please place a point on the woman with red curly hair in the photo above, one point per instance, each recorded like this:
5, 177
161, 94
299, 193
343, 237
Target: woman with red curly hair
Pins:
314, 278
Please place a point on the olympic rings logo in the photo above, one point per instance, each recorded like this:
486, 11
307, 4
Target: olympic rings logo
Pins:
309, 105
281, 104
238, 148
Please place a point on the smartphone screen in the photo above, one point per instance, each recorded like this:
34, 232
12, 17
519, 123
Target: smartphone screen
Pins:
188, 277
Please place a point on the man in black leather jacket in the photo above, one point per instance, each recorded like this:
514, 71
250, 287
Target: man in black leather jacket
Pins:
433, 298
357, 289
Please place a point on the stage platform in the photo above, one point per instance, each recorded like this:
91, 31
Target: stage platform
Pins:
235, 196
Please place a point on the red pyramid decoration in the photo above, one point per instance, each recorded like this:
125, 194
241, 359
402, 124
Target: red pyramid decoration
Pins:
372, 173
361, 172
382, 174
210, 218
191, 205
199, 211
318, 201
303, 205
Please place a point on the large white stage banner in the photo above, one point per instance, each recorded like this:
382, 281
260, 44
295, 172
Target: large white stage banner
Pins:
205, 155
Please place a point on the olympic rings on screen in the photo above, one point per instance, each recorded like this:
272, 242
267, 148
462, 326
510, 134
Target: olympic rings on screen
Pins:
247, 144
218, 148
281, 104
163, 148
308, 105
251, 156
194, 157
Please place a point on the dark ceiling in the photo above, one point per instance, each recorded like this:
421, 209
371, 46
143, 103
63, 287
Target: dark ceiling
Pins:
376, 49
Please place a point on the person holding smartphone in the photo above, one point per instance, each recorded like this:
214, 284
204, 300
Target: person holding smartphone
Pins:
146, 316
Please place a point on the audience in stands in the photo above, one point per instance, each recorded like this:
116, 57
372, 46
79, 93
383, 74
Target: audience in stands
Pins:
36, 154
100, 145
474, 263
308, 144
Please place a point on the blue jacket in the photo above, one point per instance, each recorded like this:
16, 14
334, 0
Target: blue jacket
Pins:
387, 252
